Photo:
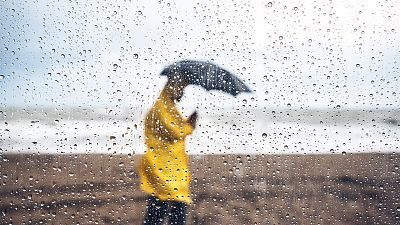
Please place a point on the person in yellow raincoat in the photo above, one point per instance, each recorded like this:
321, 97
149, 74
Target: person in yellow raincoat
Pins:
163, 171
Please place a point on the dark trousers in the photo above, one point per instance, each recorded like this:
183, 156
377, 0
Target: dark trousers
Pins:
158, 211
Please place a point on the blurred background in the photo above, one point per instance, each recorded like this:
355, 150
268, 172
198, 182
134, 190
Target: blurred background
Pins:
77, 78
325, 74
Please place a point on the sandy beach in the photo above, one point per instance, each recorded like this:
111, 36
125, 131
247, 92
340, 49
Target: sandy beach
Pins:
226, 189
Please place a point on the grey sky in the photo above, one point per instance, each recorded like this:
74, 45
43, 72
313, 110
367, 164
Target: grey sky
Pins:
300, 54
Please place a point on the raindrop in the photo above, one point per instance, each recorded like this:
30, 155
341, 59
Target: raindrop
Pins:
269, 5
264, 135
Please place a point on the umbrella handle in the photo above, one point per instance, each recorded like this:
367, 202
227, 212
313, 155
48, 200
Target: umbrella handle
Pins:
193, 118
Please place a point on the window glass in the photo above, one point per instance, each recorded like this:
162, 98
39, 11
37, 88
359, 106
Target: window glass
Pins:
301, 125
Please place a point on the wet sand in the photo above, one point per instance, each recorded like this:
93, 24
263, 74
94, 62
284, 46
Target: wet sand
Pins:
230, 189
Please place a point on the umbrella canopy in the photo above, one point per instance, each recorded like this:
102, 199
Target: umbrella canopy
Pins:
207, 75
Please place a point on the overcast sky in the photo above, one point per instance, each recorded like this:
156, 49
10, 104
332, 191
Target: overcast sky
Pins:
321, 54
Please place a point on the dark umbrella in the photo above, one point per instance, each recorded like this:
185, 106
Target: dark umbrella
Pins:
207, 75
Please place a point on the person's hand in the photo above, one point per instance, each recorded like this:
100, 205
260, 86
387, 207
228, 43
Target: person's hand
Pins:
193, 119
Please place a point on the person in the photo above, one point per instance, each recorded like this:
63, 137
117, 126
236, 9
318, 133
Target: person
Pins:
164, 171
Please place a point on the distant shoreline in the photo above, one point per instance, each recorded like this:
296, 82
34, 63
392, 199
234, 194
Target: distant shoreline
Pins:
236, 131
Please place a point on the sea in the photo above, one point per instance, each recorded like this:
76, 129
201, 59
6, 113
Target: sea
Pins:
249, 131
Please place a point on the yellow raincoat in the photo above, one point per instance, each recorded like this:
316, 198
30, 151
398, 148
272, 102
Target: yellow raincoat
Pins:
164, 170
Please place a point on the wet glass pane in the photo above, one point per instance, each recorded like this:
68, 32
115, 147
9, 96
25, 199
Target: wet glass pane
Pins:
230, 112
